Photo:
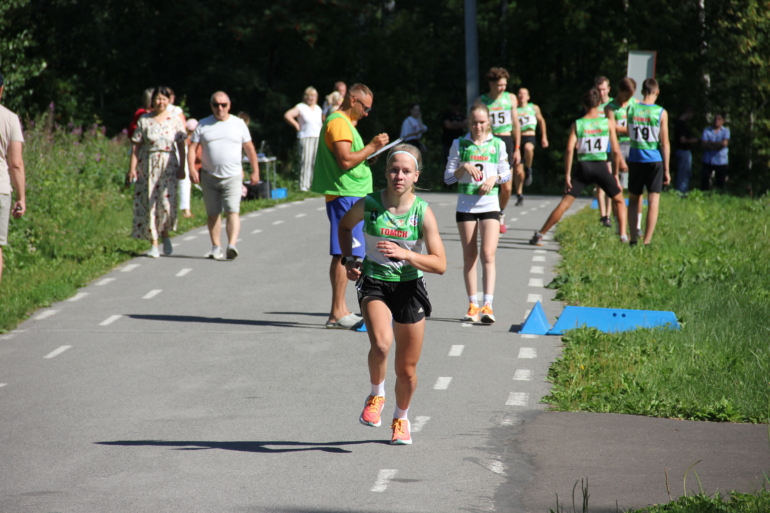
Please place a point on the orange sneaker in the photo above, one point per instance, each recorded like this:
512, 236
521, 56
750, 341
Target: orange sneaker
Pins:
487, 317
372, 411
473, 313
401, 434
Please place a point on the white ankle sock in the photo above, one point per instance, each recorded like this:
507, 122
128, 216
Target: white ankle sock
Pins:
399, 413
638, 221
378, 390
488, 299
474, 299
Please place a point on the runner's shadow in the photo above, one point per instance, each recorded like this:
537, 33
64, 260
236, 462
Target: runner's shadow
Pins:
300, 313
263, 447
220, 320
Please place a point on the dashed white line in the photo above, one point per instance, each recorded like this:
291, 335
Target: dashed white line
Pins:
78, 296
300, 215
151, 294
467, 324
283, 205
536, 269
529, 336
383, 478
456, 350
541, 251
541, 206
517, 399
277, 222
11, 334
524, 213
527, 312
534, 298
527, 352
203, 232
254, 214
536, 282
105, 281
495, 466
442, 383
238, 240
45, 314
522, 375
256, 231
538, 258
3, 384
273, 210
129, 268
513, 220
183, 272
57, 352
533, 208
418, 424
190, 237
109, 320
321, 208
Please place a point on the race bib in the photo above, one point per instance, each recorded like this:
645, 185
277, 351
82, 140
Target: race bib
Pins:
593, 145
526, 120
500, 118
644, 134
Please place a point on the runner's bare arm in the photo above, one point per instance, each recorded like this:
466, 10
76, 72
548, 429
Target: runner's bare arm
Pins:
665, 147
568, 154
541, 123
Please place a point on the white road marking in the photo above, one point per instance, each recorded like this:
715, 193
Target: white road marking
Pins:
175, 245
467, 324
508, 420
203, 232
321, 208
536, 282
526, 314
105, 281
456, 350
442, 383
57, 352
109, 320
536, 269
529, 336
544, 204
256, 231
533, 208
538, 258
45, 314
3, 384
541, 251
238, 240
527, 352
513, 220
418, 424
254, 214
183, 272
524, 213
517, 399
277, 222
190, 237
534, 298
300, 215
283, 205
495, 466
78, 296
547, 203
270, 210
151, 294
129, 268
11, 334
383, 478
522, 375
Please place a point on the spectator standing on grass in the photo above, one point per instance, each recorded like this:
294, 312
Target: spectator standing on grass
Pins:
683, 141
223, 138
714, 143
306, 118
453, 127
11, 171
154, 168
343, 175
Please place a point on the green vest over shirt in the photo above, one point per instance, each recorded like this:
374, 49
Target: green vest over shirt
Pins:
328, 178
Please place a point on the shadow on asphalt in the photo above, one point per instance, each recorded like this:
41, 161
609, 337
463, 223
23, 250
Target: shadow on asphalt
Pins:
283, 446
312, 314
220, 320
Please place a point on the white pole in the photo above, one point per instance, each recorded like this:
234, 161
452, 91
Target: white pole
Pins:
471, 54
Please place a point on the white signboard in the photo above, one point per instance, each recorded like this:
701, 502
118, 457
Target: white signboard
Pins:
641, 66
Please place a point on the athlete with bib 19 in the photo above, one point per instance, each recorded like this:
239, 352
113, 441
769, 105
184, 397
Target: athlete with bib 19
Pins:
589, 136
648, 156
478, 163
504, 118
391, 287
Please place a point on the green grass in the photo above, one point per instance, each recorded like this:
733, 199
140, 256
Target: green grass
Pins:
709, 264
733, 502
78, 220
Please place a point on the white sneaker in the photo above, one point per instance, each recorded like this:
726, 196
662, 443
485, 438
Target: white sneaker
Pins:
216, 254
153, 253
232, 253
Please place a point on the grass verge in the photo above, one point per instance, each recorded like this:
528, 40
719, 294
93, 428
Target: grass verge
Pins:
708, 264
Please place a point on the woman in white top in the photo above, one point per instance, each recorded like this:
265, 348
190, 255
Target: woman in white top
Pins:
478, 163
412, 128
306, 119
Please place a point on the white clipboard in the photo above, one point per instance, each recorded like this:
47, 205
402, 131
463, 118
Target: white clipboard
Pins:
384, 148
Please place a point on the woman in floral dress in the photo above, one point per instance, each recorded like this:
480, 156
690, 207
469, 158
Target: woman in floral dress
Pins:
155, 169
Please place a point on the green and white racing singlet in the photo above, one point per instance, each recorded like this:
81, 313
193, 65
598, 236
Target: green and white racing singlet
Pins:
405, 230
621, 118
603, 114
488, 157
644, 130
593, 138
499, 112
527, 118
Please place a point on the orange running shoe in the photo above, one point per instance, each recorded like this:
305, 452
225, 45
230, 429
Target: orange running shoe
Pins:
401, 434
372, 411
473, 313
487, 317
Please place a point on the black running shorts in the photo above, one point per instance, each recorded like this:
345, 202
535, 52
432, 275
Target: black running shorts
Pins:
528, 139
593, 171
508, 140
645, 174
468, 217
407, 300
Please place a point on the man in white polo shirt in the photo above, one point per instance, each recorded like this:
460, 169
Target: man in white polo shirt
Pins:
222, 137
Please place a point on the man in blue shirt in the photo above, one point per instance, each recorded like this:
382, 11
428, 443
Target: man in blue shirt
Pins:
714, 143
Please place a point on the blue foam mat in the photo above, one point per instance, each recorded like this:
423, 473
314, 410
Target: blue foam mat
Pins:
595, 203
612, 319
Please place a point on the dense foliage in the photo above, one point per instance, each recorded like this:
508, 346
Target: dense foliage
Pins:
95, 57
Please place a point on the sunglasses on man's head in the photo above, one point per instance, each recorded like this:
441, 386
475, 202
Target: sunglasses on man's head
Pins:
223, 105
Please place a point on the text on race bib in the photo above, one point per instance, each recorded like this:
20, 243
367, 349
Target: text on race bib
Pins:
645, 133
593, 145
500, 118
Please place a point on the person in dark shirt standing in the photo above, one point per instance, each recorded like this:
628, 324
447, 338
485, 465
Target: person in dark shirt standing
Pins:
452, 127
683, 141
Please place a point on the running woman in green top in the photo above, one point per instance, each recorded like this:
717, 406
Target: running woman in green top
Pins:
602, 84
590, 136
530, 118
391, 289
504, 118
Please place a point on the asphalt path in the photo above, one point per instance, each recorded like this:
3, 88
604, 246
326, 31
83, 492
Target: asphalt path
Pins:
187, 384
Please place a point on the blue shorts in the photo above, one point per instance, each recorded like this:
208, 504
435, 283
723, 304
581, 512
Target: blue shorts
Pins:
335, 210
